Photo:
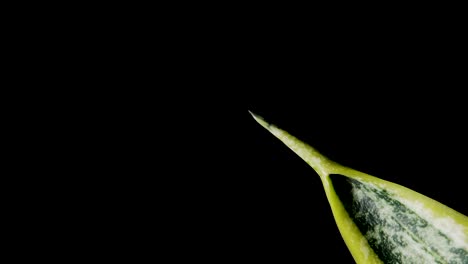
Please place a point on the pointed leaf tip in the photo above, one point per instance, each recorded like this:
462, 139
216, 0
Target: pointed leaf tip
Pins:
260, 120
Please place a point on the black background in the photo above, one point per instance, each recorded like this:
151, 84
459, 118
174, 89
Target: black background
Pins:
149, 121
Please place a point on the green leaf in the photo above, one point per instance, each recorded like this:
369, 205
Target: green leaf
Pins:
380, 221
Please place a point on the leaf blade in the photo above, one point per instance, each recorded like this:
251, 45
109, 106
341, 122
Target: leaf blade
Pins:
356, 241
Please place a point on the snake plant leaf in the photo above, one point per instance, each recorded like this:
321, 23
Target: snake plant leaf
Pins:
380, 221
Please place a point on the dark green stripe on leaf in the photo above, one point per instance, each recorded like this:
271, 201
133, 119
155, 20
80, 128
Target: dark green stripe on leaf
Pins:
395, 233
